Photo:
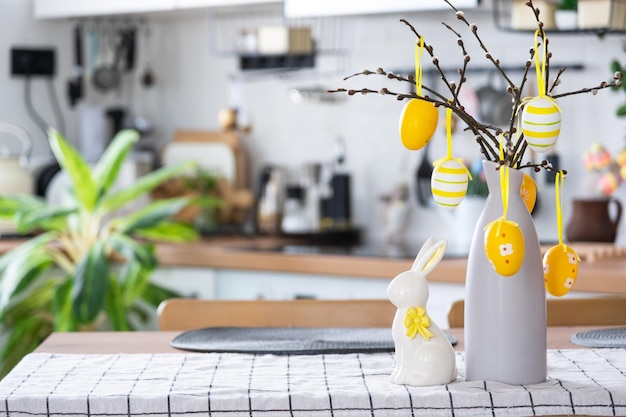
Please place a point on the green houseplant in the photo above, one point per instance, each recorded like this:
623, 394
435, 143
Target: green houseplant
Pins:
85, 266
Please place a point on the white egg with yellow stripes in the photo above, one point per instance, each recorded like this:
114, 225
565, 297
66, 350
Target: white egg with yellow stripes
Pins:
449, 182
541, 123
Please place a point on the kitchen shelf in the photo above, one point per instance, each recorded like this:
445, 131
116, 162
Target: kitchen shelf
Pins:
288, 61
236, 34
503, 19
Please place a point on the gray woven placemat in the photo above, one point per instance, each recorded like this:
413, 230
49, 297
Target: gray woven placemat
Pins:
287, 340
601, 338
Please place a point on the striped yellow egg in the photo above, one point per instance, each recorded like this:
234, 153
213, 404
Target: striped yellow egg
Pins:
449, 182
504, 246
418, 122
560, 269
541, 123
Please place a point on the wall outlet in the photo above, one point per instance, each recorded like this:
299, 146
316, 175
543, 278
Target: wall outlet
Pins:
32, 62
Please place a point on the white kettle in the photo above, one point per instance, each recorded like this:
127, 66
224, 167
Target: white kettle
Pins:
16, 179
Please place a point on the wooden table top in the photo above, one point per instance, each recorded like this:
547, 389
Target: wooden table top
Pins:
159, 342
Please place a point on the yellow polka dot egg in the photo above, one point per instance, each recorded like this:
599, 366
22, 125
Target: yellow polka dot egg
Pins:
449, 182
541, 123
504, 246
560, 269
418, 122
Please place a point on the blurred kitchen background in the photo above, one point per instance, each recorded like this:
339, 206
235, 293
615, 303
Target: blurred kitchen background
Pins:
189, 65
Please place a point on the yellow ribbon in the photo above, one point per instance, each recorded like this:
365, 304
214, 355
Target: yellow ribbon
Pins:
540, 69
558, 184
504, 190
449, 156
419, 51
504, 181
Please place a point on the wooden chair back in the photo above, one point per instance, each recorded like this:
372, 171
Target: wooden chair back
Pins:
188, 314
593, 311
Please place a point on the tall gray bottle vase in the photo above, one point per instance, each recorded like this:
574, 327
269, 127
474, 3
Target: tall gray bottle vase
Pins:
505, 317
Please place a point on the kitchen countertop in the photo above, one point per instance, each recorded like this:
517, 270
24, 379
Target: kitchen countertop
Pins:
603, 275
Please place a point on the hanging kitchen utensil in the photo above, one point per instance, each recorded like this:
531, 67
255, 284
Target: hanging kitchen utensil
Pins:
106, 77
75, 84
494, 102
148, 78
130, 47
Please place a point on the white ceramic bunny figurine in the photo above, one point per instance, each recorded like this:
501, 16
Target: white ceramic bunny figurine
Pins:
424, 355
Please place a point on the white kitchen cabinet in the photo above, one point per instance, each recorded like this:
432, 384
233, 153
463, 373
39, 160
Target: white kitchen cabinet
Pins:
187, 4
50, 9
188, 281
54, 9
308, 8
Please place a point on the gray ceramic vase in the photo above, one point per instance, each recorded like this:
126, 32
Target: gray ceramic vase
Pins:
505, 317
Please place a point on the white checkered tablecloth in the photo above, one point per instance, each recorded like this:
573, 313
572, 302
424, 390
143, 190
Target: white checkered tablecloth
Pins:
581, 381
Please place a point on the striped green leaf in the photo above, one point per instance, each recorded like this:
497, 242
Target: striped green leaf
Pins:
115, 308
132, 250
133, 281
152, 214
46, 218
91, 284
156, 294
169, 232
143, 185
77, 169
21, 267
10, 205
108, 168
62, 308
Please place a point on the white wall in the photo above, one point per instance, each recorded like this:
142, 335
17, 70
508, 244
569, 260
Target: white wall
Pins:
194, 82
19, 29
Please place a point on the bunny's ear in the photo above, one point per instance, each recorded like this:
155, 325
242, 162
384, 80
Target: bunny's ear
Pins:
422, 253
431, 258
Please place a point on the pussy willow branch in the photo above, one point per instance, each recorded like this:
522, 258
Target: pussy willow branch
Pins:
484, 133
457, 108
474, 29
557, 80
592, 90
431, 52
517, 100
480, 130
466, 60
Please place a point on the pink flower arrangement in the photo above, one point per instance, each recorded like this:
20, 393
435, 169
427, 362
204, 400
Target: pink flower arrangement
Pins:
607, 173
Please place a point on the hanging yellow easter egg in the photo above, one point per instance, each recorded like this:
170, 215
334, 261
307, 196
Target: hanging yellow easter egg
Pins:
449, 182
541, 123
560, 269
528, 191
504, 246
418, 122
